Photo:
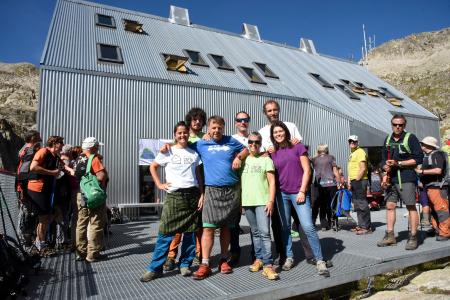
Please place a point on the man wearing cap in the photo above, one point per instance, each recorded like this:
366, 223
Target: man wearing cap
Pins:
432, 175
357, 183
96, 217
400, 155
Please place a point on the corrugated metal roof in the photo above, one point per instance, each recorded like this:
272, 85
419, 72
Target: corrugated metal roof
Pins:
73, 37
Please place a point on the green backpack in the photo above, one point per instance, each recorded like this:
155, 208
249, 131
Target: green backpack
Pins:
90, 187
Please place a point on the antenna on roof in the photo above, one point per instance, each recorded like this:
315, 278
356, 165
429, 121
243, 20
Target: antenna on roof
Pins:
365, 45
307, 46
179, 15
251, 32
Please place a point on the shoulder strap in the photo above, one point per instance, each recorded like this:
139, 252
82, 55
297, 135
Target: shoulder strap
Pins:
388, 140
406, 142
88, 168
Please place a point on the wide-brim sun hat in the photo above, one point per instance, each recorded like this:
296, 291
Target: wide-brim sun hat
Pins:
430, 141
90, 142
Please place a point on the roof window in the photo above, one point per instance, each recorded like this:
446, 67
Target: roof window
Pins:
175, 62
220, 62
195, 58
388, 94
346, 90
133, 26
321, 80
266, 70
109, 53
251, 75
104, 20
357, 88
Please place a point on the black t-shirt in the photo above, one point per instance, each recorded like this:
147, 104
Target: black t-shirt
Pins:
434, 159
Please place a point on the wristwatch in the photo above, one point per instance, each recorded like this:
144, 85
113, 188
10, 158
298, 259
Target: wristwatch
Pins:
399, 164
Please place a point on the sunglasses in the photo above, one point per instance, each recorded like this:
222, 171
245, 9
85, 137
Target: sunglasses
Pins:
240, 120
250, 142
352, 142
397, 125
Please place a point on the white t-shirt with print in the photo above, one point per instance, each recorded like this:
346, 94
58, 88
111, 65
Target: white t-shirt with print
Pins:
180, 167
241, 139
265, 134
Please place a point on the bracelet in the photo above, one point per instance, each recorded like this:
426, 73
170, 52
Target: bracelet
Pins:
302, 192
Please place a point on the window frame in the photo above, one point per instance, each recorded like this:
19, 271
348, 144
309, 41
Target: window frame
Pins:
388, 94
322, 81
272, 75
97, 21
119, 60
163, 56
347, 91
228, 67
202, 64
258, 80
125, 21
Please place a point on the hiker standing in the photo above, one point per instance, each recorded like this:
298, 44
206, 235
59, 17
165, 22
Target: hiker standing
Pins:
401, 154
357, 183
433, 177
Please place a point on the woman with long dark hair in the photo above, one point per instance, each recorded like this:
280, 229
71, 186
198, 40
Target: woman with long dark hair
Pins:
294, 171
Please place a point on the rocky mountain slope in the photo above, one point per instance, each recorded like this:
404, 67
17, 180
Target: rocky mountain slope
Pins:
419, 66
18, 106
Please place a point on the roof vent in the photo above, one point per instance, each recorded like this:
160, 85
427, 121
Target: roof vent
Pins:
307, 46
179, 16
251, 32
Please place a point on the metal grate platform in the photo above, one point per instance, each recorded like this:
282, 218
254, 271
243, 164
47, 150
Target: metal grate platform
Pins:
131, 246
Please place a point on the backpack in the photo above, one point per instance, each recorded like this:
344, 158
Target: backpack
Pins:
405, 143
342, 203
91, 189
446, 171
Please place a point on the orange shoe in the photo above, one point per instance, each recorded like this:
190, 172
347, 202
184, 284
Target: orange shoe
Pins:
202, 272
224, 267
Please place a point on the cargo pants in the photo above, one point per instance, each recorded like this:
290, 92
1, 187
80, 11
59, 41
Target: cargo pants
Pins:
439, 211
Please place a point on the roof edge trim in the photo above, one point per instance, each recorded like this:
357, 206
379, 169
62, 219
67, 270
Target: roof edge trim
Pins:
50, 32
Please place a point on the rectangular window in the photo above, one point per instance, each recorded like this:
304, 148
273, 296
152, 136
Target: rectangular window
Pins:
372, 92
104, 20
346, 90
133, 26
357, 88
263, 68
321, 80
175, 62
251, 75
109, 53
220, 62
389, 95
395, 102
195, 58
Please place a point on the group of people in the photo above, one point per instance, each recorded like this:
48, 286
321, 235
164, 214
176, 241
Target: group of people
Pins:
211, 177
53, 214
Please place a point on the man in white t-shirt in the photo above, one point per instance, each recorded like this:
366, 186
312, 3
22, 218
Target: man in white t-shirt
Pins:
242, 123
271, 109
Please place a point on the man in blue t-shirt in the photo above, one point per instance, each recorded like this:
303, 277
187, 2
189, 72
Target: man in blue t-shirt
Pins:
221, 157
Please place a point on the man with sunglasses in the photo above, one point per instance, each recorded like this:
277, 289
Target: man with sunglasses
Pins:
400, 156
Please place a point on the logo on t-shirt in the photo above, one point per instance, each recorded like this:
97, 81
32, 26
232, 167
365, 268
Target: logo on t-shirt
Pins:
218, 148
181, 160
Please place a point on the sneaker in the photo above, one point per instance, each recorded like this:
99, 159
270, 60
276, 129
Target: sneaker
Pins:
148, 276
185, 271
170, 264
256, 266
411, 244
270, 273
322, 268
202, 272
197, 261
313, 261
288, 264
440, 238
425, 223
295, 234
224, 267
96, 258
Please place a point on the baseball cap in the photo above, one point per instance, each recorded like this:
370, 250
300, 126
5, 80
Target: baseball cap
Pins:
353, 138
90, 142
430, 141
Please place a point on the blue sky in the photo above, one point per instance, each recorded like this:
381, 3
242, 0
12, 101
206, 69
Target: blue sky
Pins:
334, 26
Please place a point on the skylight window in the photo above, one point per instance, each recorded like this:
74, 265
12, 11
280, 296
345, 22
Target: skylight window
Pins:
133, 26
321, 80
104, 20
195, 58
251, 75
175, 62
389, 95
266, 70
346, 90
220, 62
109, 53
357, 88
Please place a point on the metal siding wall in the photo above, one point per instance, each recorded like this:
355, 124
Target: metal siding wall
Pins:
119, 112
423, 127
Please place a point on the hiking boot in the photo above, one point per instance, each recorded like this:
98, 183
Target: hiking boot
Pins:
388, 240
202, 272
288, 264
411, 244
224, 267
322, 268
96, 258
270, 273
441, 238
313, 261
185, 272
149, 276
256, 266
170, 264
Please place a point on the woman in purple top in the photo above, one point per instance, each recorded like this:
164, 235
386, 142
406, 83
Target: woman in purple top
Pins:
294, 172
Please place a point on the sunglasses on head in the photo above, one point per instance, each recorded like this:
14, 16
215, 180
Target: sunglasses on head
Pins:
240, 120
250, 142
398, 125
